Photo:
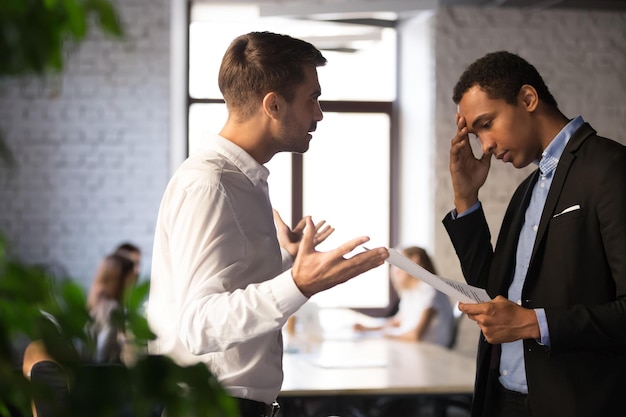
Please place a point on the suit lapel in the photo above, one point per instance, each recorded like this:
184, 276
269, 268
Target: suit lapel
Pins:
560, 175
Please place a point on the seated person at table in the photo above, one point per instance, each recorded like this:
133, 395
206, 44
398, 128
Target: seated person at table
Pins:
131, 251
114, 275
424, 314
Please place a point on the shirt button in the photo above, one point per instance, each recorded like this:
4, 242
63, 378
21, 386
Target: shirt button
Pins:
535, 228
519, 302
505, 372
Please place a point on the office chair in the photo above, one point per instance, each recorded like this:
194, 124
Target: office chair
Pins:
55, 396
51, 394
113, 383
442, 405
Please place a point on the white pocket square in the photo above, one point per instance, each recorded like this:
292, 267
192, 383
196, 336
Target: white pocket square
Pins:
567, 210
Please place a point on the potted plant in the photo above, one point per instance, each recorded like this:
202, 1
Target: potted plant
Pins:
151, 382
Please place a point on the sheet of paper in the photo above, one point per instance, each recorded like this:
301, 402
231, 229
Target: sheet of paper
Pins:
454, 289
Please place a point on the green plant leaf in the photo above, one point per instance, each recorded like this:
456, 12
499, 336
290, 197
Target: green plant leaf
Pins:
26, 291
76, 21
33, 33
107, 16
50, 4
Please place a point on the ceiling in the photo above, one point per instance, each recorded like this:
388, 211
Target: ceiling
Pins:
378, 14
315, 7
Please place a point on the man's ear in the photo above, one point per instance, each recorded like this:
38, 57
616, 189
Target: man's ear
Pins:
528, 97
272, 105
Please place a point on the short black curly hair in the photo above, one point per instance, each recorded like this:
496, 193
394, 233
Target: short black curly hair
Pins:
501, 74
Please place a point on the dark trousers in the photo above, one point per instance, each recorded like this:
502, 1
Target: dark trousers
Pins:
250, 408
512, 404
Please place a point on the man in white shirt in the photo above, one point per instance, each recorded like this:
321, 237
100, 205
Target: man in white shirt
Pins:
227, 272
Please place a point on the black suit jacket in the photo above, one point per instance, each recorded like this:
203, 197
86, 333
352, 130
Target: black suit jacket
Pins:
577, 274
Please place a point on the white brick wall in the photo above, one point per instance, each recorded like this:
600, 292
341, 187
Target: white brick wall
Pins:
92, 147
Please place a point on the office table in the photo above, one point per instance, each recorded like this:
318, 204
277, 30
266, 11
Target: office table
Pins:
362, 371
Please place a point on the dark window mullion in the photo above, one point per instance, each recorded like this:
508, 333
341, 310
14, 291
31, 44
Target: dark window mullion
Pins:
297, 188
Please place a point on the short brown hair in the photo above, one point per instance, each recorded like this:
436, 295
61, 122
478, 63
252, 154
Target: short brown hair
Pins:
260, 62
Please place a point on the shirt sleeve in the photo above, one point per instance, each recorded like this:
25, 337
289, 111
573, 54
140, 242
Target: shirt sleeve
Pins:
455, 215
543, 327
221, 305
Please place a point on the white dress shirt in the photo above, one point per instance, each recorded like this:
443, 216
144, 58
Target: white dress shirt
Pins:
220, 288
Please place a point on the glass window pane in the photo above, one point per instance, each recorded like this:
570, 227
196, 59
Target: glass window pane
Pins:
348, 74
206, 119
279, 183
346, 183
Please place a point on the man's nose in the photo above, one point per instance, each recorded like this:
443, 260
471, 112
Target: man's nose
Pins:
319, 114
488, 145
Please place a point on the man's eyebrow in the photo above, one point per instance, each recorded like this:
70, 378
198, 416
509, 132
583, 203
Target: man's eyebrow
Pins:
479, 120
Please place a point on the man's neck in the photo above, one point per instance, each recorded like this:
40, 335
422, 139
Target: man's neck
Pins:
552, 121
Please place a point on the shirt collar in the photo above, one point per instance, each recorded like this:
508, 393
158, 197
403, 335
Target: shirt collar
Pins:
255, 172
551, 155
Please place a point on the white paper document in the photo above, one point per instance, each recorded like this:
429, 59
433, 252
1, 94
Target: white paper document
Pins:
454, 289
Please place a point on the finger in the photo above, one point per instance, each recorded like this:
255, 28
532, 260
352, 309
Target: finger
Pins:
470, 308
300, 226
323, 235
320, 224
349, 246
307, 244
324, 230
460, 123
460, 143
363, 262
277, 219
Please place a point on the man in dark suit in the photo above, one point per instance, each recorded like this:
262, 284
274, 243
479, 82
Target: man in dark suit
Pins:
553, 339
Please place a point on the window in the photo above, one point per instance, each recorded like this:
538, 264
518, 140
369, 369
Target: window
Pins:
345, 177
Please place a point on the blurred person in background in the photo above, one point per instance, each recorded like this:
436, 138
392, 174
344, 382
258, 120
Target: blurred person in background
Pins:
424, 313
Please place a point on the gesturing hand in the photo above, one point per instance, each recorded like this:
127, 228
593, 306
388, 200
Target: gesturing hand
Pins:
289, 239
315, 271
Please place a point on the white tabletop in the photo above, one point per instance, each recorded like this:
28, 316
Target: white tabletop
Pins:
376, 366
